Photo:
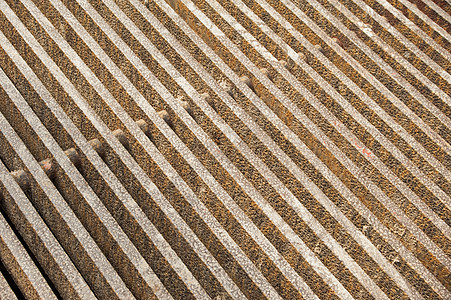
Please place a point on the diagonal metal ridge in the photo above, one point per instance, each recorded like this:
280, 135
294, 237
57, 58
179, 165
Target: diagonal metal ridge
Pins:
234, 149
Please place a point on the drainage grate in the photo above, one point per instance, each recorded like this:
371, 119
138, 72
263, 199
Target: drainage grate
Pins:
225, 149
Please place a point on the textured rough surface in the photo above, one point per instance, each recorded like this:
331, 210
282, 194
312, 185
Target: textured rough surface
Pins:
195, 149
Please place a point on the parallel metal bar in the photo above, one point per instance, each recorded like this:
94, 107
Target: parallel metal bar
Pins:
215, 60
436, 250
142, 177
20, 266
379, 165
47, 250
65, 225
341, 188
115, 106
6, 292
99, 217
225, 149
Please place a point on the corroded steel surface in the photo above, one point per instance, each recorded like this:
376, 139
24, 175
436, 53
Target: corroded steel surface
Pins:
231, 149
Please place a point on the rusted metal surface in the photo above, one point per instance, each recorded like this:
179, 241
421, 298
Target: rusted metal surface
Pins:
232, 149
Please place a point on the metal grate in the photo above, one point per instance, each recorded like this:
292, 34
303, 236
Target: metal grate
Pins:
225, 149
